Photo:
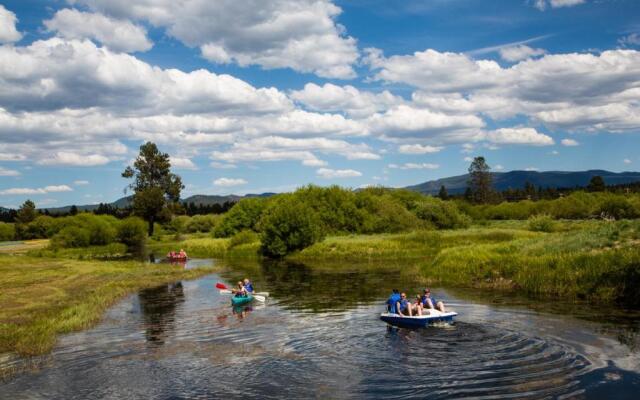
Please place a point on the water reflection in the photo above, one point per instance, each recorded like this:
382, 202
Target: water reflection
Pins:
321, 289
158, 306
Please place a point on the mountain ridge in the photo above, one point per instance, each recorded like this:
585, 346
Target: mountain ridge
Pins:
454, 185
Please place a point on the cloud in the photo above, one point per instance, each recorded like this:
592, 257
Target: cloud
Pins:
414, 166
498, 167
80, 182
569, 142
75, 159
543, 4
277, 148
532, 169
632, 39
348, 99
418, 149
228, 182
327, 173
8, 172
297, 34
43, 190
576, 91
519, 53
8, 31
218, 165
119, 35
12, 157
409, 122
182, 163
626, 161
527, 136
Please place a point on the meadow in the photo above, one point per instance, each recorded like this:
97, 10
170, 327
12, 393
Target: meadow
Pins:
43, 297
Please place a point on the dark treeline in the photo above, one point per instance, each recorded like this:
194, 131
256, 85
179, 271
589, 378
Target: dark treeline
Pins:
190, 209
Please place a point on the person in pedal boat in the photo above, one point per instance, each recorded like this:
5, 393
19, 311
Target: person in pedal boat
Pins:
431, 302
404, 306
182, 254
248, 286
240, 290
393, 300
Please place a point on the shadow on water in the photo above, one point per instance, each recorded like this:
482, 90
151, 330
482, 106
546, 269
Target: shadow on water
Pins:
158, 306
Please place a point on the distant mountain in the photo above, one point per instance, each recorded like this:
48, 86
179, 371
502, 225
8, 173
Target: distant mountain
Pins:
454, 185
517, 179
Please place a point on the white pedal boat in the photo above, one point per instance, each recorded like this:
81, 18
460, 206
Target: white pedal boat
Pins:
417, 321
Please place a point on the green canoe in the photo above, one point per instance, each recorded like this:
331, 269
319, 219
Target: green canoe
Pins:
241, 300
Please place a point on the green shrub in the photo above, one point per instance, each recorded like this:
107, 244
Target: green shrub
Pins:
441, 214
132, 231
617, 208
7, 232
289, 225
243, 237
201, 223
542, 223
245, 214
385, 214
178, 224
335, 206
71, 236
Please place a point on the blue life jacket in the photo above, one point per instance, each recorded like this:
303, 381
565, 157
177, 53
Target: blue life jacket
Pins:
249, 287
391, 302
403, 304
424, 300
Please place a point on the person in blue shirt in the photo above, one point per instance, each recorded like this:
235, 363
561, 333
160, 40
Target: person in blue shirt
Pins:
430, 302
392, 300
248, 285
404, 306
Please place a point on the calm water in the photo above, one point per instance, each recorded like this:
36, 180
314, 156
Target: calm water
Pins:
319, 336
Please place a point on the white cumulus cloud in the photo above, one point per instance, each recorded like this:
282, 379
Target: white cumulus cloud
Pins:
569, 142
519, 53
418, 149
42, 190
8, 31
228, 182
119, 35
328, 173
297, 34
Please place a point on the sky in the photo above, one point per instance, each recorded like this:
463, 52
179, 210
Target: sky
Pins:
250, 96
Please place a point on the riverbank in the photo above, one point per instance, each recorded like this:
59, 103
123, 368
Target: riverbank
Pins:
44, 297
594, 261
591, 260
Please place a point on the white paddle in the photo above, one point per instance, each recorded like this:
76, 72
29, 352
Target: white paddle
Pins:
255, 296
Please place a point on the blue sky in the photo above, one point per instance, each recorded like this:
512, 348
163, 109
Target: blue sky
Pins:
251, 96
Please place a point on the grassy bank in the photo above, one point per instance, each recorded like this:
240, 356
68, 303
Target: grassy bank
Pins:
588, 260
43, 297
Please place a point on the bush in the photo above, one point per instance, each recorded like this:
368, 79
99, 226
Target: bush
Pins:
385, 214
7, 232
71, 236
201, 223
617, 208
243, 237
245, 214
441, 214
132, 232
287, 226
542, 223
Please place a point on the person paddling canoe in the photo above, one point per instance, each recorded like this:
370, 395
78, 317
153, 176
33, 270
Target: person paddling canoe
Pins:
240, 290
248, 286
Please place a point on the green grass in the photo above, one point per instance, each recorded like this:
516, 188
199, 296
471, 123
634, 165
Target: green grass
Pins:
42, 297
584, 260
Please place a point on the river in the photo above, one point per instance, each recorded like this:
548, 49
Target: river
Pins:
319, 336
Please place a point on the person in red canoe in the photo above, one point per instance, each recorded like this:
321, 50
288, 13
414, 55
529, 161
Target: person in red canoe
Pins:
182, 254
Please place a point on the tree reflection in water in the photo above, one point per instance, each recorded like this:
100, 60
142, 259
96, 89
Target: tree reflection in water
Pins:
158, 306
